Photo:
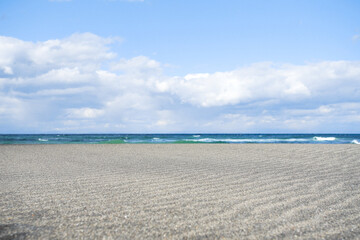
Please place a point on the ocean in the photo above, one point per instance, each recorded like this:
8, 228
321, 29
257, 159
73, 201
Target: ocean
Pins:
178, 138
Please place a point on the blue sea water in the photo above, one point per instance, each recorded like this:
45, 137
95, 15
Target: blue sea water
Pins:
178, 138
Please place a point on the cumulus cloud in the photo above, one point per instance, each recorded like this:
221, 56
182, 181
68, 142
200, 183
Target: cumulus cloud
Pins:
84, 51
266, 81
137, 65
79, 84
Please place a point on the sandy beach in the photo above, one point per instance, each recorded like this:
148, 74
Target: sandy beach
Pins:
180, 191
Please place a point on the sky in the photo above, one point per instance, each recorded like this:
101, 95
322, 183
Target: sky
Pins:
181, 66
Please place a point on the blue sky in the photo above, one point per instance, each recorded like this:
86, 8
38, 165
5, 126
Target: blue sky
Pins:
179, 66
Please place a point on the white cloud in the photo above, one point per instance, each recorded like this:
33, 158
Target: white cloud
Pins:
7, 70
161, 123
341, 117
85, 51
137, 64
11, 108
62, 75
265, 81
84, 112
65, 91
78, 83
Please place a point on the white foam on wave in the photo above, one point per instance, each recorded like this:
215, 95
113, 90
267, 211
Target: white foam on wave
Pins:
324, 138
295, 140
202, 140
196, 136
155, 138
270, 140
355, 141
247, 140
43, 140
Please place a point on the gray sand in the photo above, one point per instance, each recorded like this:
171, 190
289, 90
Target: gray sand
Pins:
180, 191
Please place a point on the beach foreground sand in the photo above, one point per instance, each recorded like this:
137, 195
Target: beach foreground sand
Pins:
180, 191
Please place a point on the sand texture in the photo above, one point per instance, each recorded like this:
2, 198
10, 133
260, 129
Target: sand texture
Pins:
184, 191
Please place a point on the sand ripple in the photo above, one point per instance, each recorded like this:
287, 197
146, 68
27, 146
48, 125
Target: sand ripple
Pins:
172, 191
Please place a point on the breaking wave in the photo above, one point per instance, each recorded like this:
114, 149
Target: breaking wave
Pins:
247, 140
324, 138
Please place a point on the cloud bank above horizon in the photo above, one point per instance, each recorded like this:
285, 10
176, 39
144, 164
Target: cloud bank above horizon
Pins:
81, 84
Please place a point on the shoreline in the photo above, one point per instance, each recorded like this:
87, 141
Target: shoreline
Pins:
180, 138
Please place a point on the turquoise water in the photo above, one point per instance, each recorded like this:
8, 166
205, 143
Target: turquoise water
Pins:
178, 138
